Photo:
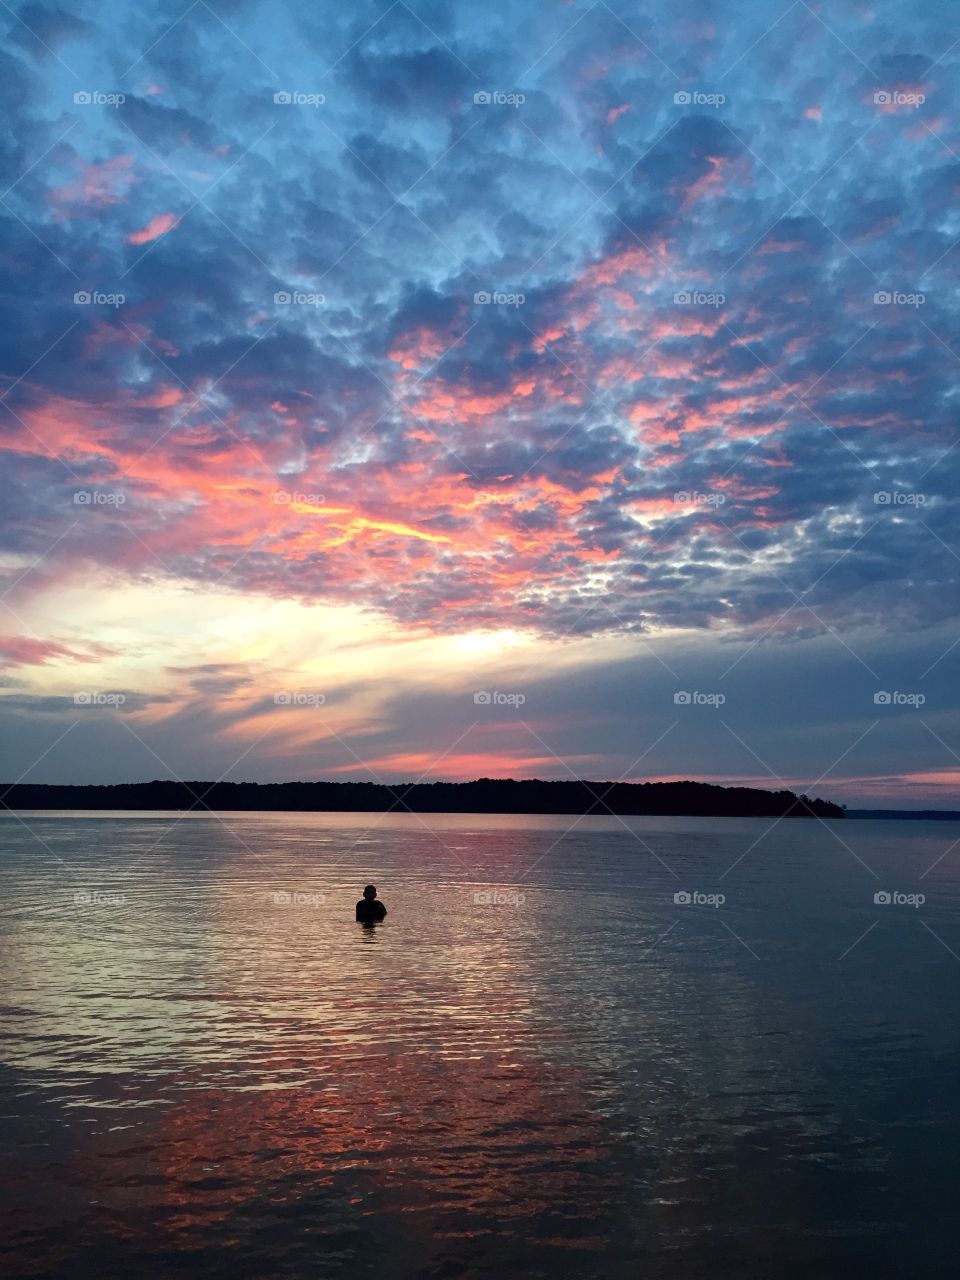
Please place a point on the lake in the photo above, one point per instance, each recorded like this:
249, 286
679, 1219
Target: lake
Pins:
592, 1047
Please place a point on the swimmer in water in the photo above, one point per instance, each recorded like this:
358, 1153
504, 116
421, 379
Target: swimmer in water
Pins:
370, 909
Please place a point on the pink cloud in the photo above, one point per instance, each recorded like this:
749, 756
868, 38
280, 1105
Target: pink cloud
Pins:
97, 185
23, 651
712, 182
158, 226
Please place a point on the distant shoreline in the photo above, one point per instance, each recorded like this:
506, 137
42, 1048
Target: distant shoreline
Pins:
854, 815
486, 795
906, 815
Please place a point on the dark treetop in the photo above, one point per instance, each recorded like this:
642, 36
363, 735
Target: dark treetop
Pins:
486, 795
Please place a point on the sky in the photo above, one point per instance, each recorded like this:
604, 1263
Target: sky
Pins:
395, 391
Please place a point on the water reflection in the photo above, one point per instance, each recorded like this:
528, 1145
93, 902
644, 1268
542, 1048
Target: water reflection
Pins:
225, 1073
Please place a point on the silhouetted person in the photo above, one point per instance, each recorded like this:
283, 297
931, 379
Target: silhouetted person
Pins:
370, 908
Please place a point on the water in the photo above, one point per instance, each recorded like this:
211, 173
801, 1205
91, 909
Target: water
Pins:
211, 1070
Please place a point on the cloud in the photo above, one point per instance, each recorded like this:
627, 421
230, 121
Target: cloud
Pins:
41, 29
29, 651
597, 363
158, 226
97, 186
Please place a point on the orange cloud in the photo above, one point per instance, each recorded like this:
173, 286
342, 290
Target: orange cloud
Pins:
419, 346
158, 226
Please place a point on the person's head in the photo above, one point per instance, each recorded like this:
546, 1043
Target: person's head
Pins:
370, 892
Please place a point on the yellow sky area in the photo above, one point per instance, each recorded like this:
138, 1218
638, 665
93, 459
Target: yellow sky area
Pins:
361, 524
282, 645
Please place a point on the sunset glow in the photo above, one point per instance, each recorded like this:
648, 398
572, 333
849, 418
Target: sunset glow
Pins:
336, 370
